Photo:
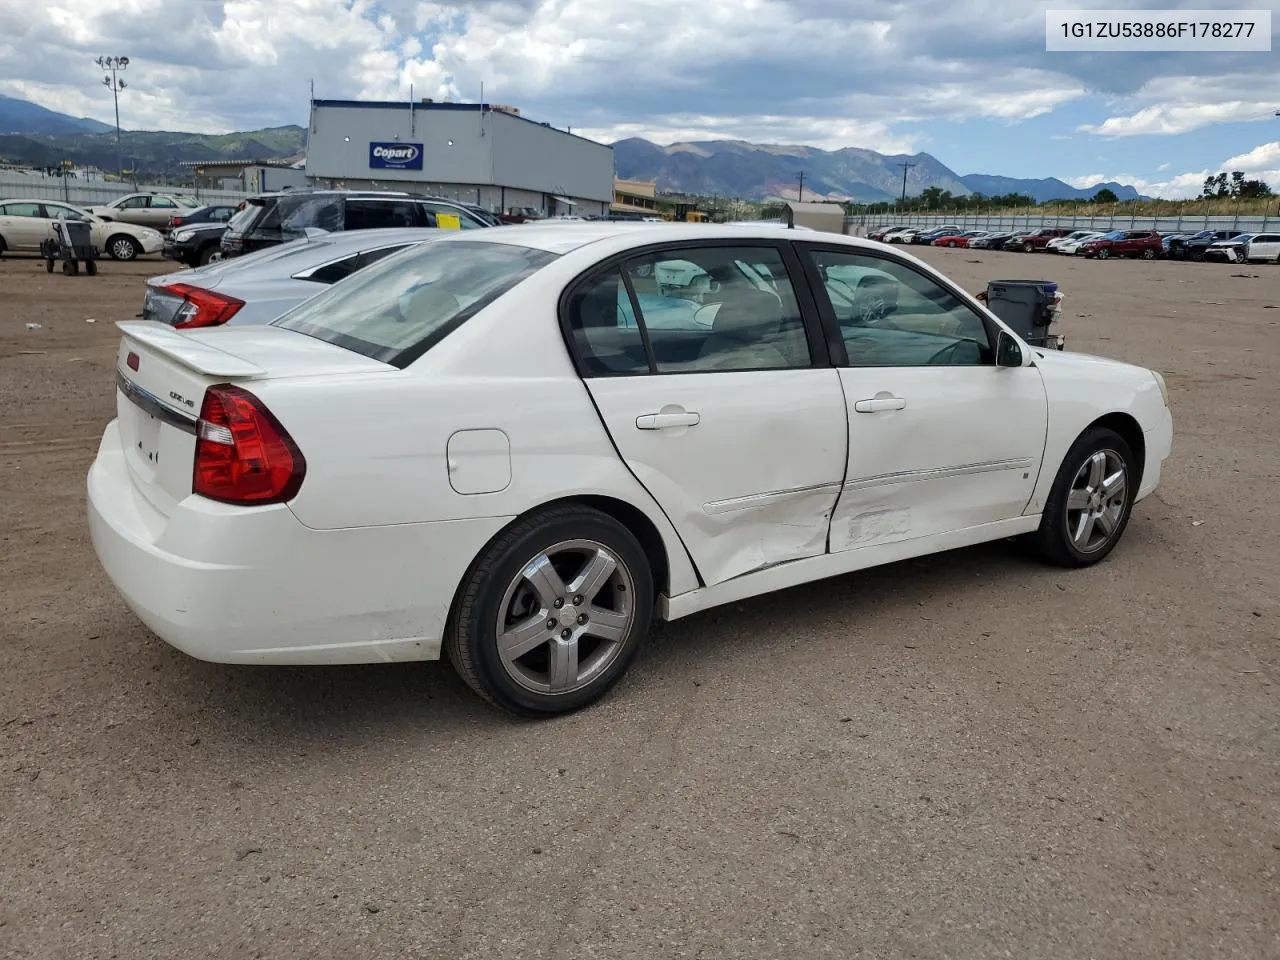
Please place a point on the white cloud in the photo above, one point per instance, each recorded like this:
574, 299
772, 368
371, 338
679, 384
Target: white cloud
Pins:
1262, 162
1265, 156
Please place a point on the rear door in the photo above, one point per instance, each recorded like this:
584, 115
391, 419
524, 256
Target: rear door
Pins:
940, 438
706, 365
159, 211
23, 226
1265, 246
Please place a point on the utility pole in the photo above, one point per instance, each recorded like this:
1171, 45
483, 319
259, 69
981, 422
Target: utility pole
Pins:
905, 165
800, 195
116, 65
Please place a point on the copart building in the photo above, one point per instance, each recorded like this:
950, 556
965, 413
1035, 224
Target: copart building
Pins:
479, 153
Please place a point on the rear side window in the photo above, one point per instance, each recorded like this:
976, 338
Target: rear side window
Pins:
374, 214
293, 215
403, 305
331, 273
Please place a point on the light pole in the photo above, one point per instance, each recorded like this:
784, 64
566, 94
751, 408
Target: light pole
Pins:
116, 65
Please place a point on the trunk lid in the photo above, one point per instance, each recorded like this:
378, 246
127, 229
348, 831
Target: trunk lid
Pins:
161, 378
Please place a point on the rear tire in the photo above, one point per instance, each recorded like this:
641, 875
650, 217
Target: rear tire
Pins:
121, 246
524, 635
1090, 502
1148, 254
951, 244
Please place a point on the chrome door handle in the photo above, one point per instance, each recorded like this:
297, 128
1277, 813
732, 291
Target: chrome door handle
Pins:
660, 421
879, 404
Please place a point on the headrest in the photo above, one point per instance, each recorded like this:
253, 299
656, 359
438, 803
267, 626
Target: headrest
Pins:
747, 312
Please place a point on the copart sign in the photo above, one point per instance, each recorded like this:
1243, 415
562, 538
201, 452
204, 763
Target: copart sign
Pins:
395, 155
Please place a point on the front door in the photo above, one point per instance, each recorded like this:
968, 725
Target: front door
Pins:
940, 438
719, 397
1265, 246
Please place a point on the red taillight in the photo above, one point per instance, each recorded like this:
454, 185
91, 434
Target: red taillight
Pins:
176, 221
243, 454
200, 307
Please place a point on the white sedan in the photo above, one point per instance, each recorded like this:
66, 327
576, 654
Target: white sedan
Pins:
516, 446
25, 224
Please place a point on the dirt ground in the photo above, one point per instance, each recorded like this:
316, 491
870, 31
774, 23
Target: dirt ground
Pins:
967, 756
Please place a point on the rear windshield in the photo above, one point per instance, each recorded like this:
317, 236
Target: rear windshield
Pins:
401, 306
243, 221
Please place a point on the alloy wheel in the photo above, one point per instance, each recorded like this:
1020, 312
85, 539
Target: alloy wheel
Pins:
1096, 501
565, 617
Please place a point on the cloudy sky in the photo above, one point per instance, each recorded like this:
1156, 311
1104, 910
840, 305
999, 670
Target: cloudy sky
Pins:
966, 80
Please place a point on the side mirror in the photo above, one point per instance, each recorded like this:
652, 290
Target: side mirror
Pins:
1008, 353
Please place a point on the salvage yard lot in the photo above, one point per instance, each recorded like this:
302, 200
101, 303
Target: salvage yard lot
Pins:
969, 755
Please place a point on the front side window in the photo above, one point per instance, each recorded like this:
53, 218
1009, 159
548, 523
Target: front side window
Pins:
451, 218
54, 212
401, 306
701, 309
891, 316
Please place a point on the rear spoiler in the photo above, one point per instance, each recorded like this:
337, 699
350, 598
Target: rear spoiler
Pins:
194, 354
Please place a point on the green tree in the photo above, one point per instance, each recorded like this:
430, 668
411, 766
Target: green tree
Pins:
1106, 195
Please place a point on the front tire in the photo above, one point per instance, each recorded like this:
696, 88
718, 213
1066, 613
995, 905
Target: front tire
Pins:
551, 614
1090, 502
1026, 248
1104, 253
122, 247
210, 254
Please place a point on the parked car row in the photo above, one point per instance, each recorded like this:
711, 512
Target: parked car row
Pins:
25, 224
1232, 246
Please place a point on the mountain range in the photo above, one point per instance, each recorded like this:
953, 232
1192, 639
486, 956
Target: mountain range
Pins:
35, 136
756, 171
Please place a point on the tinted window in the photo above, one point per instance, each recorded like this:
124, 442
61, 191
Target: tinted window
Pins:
445, 216
398, 308
372, 214
603, 326
892, 316
293, 215
341, 269
718, 308
242, 222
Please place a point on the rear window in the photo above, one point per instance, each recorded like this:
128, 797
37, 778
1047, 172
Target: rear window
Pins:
243, 221
397, 309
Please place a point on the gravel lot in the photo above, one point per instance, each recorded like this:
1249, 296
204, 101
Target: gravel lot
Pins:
967, 756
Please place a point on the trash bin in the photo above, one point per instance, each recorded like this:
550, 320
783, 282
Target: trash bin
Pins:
72, 244
1030, 308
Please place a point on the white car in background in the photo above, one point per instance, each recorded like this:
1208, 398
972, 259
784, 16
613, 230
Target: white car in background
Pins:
1069, 246
259, 286
1246, 247
25, 224
481, 446
1071, 237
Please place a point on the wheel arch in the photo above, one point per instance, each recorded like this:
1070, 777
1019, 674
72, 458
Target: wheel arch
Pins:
656, 549
1128, 427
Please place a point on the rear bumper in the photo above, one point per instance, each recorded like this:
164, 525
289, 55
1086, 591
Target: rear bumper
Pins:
253, 585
